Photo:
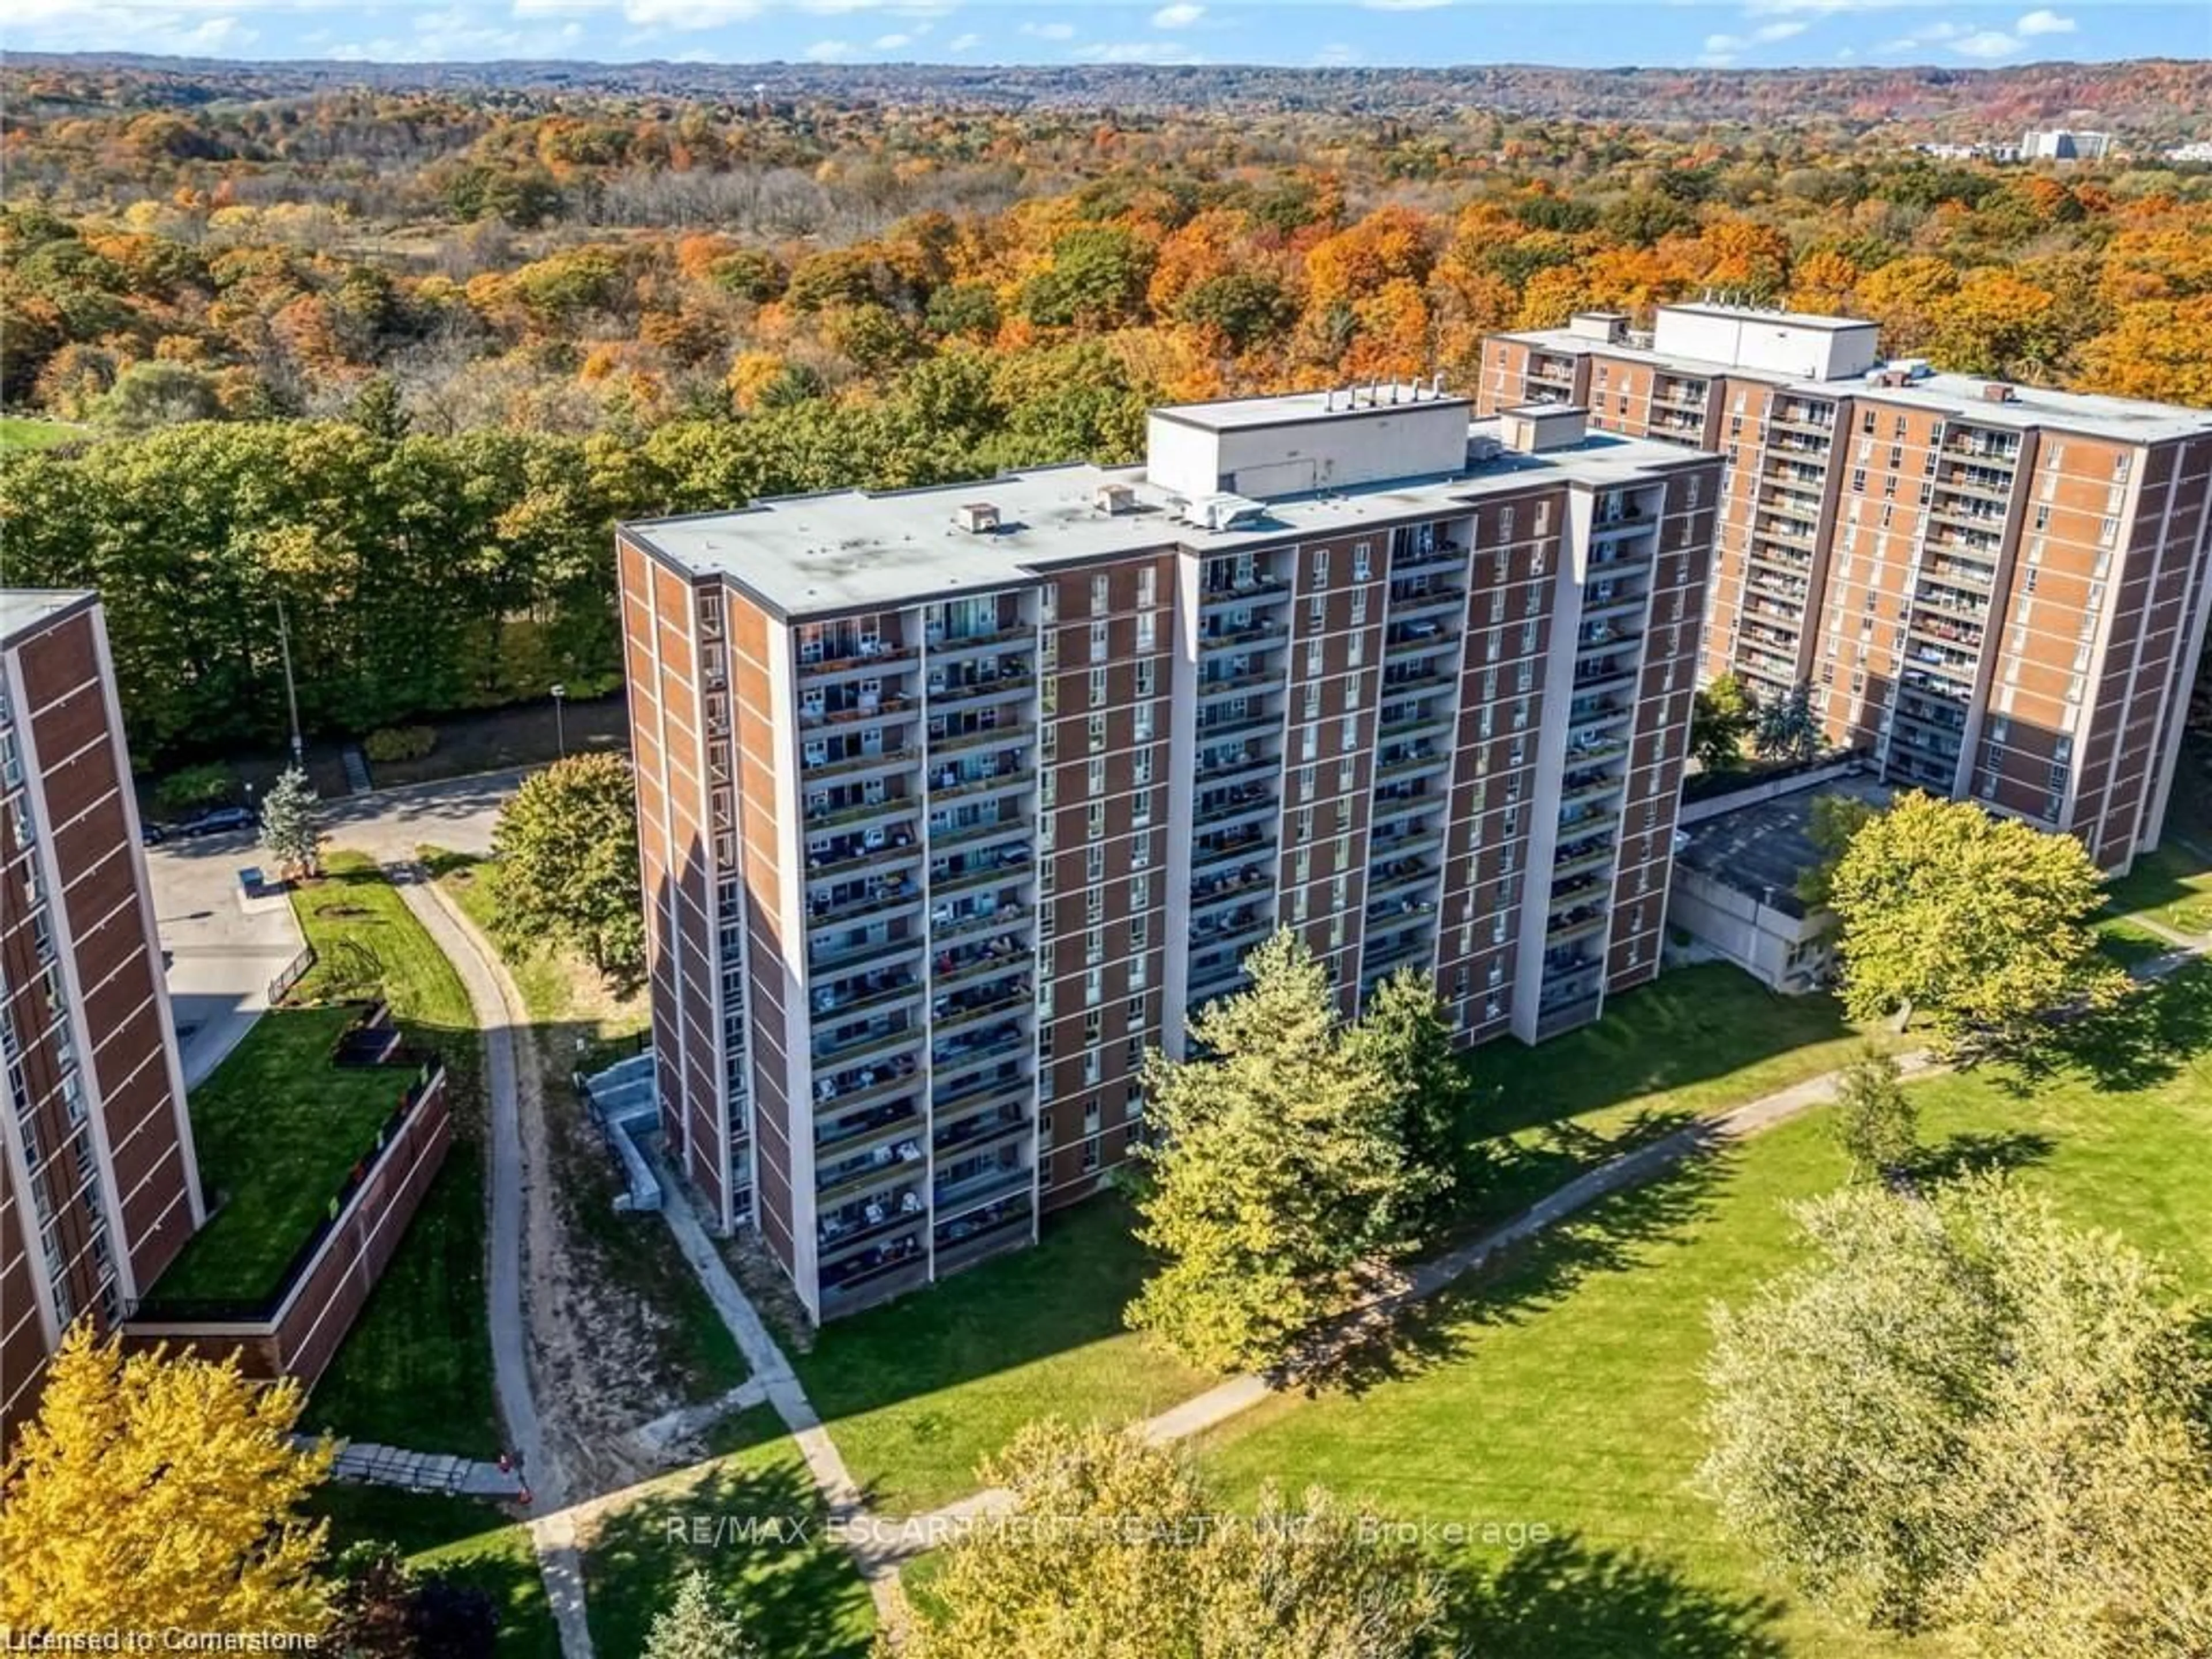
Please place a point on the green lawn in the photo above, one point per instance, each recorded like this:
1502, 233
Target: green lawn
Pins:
416, 1370
277, 1126
1564, 1390
750, 1518
572, 1013
915, 1392
1697, 1040
18, 433
459, 1539
2171, 885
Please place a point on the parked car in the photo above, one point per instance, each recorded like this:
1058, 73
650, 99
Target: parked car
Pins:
217, 820
152, 834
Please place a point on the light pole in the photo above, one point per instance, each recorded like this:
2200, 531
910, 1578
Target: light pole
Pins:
560, 733
291, 696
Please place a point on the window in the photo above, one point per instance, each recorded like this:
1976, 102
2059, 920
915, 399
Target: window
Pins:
1147, 676
1097, 688
1362, 563
1320, 566
1097, 645
1148, 587
1098, 596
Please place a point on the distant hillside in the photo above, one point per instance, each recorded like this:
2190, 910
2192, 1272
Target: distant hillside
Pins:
2150, 101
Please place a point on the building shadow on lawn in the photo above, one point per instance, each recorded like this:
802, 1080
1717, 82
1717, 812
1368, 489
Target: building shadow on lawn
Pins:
1402, 1337
1976, 1153
1563, 1599
755, 1528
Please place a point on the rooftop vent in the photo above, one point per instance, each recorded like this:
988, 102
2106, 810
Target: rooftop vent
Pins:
1997, 391
1116, 498
976, 518
1223, 512
1534, 427
1610, 326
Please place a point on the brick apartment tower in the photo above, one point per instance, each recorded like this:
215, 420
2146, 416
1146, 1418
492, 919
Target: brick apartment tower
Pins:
99, 1186
1995, 591
952, 801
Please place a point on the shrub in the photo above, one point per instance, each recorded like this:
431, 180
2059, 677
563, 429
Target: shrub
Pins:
195, 786
399, 743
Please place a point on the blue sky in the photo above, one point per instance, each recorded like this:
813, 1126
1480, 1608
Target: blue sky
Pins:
1749, 33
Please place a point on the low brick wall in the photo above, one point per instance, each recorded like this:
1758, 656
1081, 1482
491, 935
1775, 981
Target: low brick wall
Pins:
310, 1317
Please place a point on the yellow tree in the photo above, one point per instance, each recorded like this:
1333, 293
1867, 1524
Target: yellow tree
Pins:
156, 1492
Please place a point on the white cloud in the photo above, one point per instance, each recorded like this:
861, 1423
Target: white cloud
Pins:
1403, 5
1719, 45
1771, 32
1336, 55
1050, 31
2044, 23
1822, 8
889, 42
688, 13
832, 52
1137, 51
1179, 16
963, 43
1986, 43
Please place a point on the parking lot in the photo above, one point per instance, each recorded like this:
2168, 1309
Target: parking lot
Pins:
222, 947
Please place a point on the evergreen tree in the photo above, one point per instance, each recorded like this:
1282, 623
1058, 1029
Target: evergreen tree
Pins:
693, 1626
1404, 1036
1274, 1170
288, 824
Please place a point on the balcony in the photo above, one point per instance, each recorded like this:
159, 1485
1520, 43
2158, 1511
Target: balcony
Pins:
1430, 674
1630, 523
854, 1086
958, 1010
842, 1232
1604, 674
1419, 839
832, 954
1232, 680
1007, 675
880, 1039
1581, 922
871, 848
854, 993
1419, 631
1577, 788
1966, 483
1220, 889
1582, 886
1411, 760
1218, 765
1412, 599
979, 1084
948, 921
819, 818
1602, 635
965, 835
1257, 720
876, 896
1789, 532
1409, 554
978, 1043
852, 765
855, 1132
969, 962
814, 714
1247, 633
981, 1126
1820, 422
851, 1176
995, 867
1010, 772
875, 1275
955, 742
948, 647
1232, 847
1242, 590
971, 1191
1399, 875
1246, 923
1239, 803
1554, 1016
980, 1233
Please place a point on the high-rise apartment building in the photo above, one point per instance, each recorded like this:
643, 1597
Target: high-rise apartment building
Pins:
1996, 592
99, 1186
952, 801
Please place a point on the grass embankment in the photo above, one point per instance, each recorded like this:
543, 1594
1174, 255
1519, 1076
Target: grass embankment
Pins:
460, 1539
415, 1370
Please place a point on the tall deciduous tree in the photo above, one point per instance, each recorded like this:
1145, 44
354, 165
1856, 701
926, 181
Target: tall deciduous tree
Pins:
1274, 1167
566, 847
1112, 1549
154, 1492
1980, 923
1962, 1413
287, 823
695, 1626
1721, 715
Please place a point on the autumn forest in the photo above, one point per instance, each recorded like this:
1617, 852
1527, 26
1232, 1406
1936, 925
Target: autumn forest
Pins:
400, 357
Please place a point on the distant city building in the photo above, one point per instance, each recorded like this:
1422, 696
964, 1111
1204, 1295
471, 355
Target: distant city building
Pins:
2063, 144
2199, 151
1998, 592
99, 1186
953, 801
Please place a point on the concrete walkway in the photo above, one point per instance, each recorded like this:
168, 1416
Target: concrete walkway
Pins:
849, 1521
367, 1464
497, 1014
